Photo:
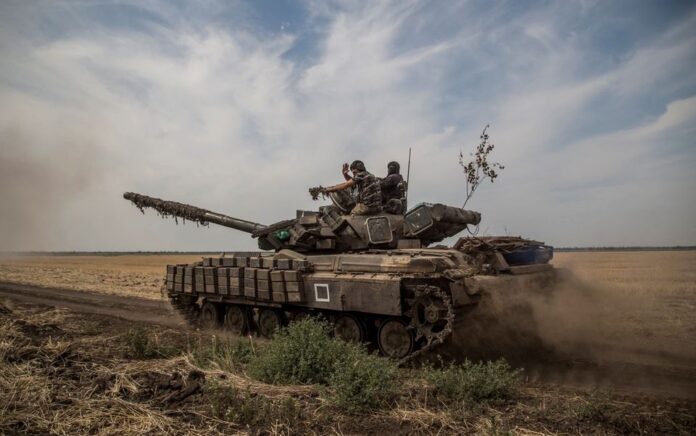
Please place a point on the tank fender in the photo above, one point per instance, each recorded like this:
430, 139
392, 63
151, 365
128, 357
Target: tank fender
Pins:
509, 283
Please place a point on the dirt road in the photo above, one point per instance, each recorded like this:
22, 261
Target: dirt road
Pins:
131, 308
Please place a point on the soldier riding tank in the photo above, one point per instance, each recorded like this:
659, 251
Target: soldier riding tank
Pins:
375, 278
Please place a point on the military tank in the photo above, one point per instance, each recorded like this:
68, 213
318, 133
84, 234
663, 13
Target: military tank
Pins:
377, 279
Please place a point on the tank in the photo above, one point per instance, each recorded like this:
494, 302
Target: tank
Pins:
377, 279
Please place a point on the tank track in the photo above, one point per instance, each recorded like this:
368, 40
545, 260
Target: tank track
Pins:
187, 309
433, 340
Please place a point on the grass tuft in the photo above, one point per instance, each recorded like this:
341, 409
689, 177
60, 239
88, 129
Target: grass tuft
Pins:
231, 355
251, 410
140, 344
473, 383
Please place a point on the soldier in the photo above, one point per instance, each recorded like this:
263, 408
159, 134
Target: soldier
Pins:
392, 189
390, 184
369, 191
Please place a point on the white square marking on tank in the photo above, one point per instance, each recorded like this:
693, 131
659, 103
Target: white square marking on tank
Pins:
321, 292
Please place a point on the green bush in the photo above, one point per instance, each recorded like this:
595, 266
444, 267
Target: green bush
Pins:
302, 353
228, 355
474, 382
363, 381
140, 344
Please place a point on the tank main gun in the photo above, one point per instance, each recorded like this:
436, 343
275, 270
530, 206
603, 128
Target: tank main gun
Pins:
191, 213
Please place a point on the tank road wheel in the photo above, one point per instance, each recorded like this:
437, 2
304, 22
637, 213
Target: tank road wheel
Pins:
237, 319
395, 338
349, 328
270, 320
209, 316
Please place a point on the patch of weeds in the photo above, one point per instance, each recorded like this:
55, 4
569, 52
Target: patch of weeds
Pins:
592, 410
251, 410
140, 344
226, 354
302, 353
363, 381
599, 410
473, 383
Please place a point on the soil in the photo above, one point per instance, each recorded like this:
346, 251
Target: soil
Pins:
616, 356
70, 372
131, 308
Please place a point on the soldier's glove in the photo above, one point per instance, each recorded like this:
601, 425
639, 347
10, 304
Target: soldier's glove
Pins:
314, 192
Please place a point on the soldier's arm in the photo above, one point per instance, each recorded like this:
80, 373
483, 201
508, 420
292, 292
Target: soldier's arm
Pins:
346, 175
341, 186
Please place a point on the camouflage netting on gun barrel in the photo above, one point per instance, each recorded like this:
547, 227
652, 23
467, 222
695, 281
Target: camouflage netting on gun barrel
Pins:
168, 208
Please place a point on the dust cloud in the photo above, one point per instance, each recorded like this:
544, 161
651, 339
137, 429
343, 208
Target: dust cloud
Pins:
583, 333
608, 324
39, 182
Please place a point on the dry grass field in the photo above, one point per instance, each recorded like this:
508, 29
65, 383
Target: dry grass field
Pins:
668, 274
647, 298
649, 293
65, 372
132, 275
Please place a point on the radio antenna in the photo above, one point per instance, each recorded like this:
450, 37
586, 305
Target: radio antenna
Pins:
408, 174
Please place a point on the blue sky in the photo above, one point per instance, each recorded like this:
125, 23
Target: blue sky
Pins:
239, 107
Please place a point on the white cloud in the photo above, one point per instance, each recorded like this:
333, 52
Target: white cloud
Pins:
223, 118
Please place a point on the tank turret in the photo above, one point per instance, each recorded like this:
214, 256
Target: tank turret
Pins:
330, 229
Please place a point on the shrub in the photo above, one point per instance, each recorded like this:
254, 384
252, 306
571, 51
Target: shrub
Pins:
141, 345
301, 353
227, 355
474, 382
304, 352
363, 381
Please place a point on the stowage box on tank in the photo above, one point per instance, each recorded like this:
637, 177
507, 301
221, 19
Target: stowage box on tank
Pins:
373, 277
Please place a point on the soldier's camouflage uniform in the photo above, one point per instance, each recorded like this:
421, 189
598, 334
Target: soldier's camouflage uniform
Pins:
369, 194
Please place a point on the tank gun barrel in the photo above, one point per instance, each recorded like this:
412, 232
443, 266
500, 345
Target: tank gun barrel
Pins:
191, 213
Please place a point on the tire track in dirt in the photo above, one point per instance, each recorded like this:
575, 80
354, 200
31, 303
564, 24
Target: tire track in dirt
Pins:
131, 308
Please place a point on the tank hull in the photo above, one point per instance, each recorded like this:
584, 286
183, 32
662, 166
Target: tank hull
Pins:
404, 302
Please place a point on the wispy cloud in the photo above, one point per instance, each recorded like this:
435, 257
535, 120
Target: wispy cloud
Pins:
210, 106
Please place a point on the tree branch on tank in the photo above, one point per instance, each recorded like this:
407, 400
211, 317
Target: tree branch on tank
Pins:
479, 168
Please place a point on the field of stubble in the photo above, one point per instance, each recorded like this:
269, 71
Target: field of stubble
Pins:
66, 372
658, 288
130, 275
